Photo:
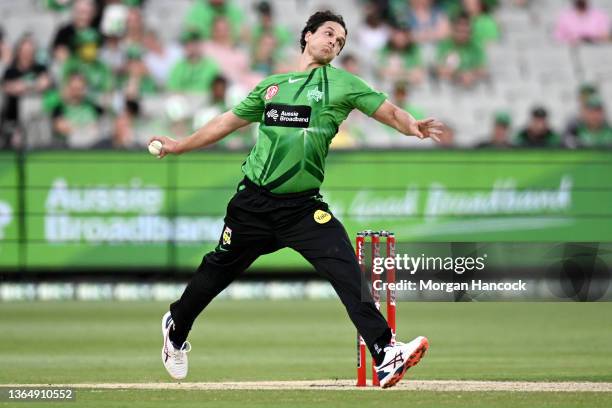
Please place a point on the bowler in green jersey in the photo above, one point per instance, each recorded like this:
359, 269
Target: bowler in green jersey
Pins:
278, 204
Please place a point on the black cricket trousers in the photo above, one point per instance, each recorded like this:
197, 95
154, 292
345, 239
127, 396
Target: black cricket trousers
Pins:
258, 222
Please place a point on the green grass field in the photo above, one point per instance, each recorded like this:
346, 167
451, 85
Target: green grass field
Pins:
79, 342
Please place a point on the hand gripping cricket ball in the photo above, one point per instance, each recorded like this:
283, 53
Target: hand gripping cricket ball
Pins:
155, 147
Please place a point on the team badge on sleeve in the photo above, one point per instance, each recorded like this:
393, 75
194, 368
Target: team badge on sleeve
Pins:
271, 91
227, 235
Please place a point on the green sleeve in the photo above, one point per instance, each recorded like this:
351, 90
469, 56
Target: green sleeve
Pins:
363, 97
252, 107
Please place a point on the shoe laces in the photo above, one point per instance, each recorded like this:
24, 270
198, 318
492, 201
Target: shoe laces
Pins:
180, 354
390, 346
186, 348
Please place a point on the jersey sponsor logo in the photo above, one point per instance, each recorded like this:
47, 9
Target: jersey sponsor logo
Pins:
271, 91
322, 217
297, 116
314, 95
227, 235
291, 80
273, 114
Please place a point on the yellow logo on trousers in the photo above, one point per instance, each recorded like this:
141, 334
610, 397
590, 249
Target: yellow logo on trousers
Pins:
322, 217
227, 236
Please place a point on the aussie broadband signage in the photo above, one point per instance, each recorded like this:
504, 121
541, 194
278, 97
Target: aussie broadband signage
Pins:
120, 209
119, 213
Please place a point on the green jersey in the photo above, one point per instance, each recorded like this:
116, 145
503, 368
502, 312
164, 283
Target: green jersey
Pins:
594, 137
299, 114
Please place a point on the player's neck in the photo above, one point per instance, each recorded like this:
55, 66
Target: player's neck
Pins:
307, 63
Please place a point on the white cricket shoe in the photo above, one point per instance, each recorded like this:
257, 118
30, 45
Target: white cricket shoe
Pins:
399, 358
175, 360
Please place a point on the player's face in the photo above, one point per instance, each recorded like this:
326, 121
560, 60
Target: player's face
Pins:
326, 42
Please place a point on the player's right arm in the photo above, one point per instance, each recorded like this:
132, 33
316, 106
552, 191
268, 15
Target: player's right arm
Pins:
248, 111
212, 132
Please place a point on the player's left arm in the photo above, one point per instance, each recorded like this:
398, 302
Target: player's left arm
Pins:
391, 115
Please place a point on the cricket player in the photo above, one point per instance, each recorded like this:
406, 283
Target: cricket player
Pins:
278, 204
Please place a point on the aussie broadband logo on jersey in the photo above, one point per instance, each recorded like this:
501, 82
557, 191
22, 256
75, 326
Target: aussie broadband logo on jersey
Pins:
297, 116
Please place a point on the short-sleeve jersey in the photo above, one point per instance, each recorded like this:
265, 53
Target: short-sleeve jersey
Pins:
299, 114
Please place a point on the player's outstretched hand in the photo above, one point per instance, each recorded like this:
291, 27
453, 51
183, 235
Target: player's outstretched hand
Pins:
169, 145
428, 128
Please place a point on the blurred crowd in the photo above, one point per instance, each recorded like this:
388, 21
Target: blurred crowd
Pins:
108, 80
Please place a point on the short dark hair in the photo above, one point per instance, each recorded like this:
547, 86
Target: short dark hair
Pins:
316, 20
219, 79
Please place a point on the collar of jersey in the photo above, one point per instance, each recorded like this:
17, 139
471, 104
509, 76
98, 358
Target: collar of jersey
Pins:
308, 79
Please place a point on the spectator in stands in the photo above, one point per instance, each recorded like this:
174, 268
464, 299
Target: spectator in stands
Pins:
134, 28
194, 72
349, 63
592, 129
24, 76
500, 134
373, 33
484, 27
582, 23
112, 27
125, 125
453, 7
400, 59
217, 103
122, 26
401, 98
113, 19
160, 57
5, 52
266, 24
265, 55
268, 41
203, 13
538, 132
233, 62
64, 44
135, 80
112, 54
460, 59
429, 24
75, 118
86, 61
58, 5
585, 91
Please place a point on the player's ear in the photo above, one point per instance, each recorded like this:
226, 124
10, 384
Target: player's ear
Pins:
307, 36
